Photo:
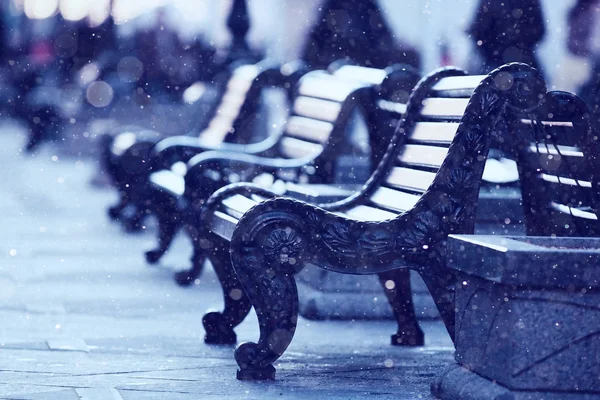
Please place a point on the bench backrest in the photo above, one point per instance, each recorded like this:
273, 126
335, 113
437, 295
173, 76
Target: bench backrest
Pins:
323, 106
423, 149
556, 168
428, 181
233, 117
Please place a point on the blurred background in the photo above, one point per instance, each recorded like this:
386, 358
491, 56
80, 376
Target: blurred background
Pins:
115, 60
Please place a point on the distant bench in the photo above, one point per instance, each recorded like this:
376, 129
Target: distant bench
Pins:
232, 118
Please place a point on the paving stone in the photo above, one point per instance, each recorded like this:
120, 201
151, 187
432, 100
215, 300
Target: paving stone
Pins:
57, 394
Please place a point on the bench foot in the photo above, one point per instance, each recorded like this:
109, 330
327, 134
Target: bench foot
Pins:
184, 278
256, 374
412, 338
153, 256
114, 212
218, 331
189, 276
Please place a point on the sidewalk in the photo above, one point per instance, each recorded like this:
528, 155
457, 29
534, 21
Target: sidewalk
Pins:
83, 316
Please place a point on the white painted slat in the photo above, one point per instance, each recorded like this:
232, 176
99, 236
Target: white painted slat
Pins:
423, 156
439, 107
434, 132
311, 107
237, 205
366, 213
411, 179
327, 87
307, 128
574, 211
394, 199
468, 82
223, 225
295, 148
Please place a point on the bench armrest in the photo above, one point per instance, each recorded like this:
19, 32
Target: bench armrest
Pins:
221, 160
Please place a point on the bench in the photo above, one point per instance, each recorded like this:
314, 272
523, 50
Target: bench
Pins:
231, 119
424, 189
305, 152
556, 169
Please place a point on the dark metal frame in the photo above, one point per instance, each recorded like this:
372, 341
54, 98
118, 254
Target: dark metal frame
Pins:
277, 238
541, 218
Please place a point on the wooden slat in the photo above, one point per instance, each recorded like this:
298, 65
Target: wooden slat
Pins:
311, 107
233, 100
295, 148
319, 192
239, 85
394, 199
411, 179
466, 82
434, 132
573, 211
123, 142
310, 129
373, 76
223, 225
366, 213
327, 87
216, 132
572, 163
550, 123
566, 181
567, 151
242, 78
437, 107
423, 156
169, 181
237, 205
229, 111
247, 72
391, 106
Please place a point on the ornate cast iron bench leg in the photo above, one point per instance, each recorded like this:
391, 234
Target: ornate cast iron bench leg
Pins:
273, 293
440, 283
188, 276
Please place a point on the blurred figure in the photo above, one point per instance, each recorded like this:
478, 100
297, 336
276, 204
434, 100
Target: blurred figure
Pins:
355, 30
506, 31
170, 63
584, 41
157, 50
97, 42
